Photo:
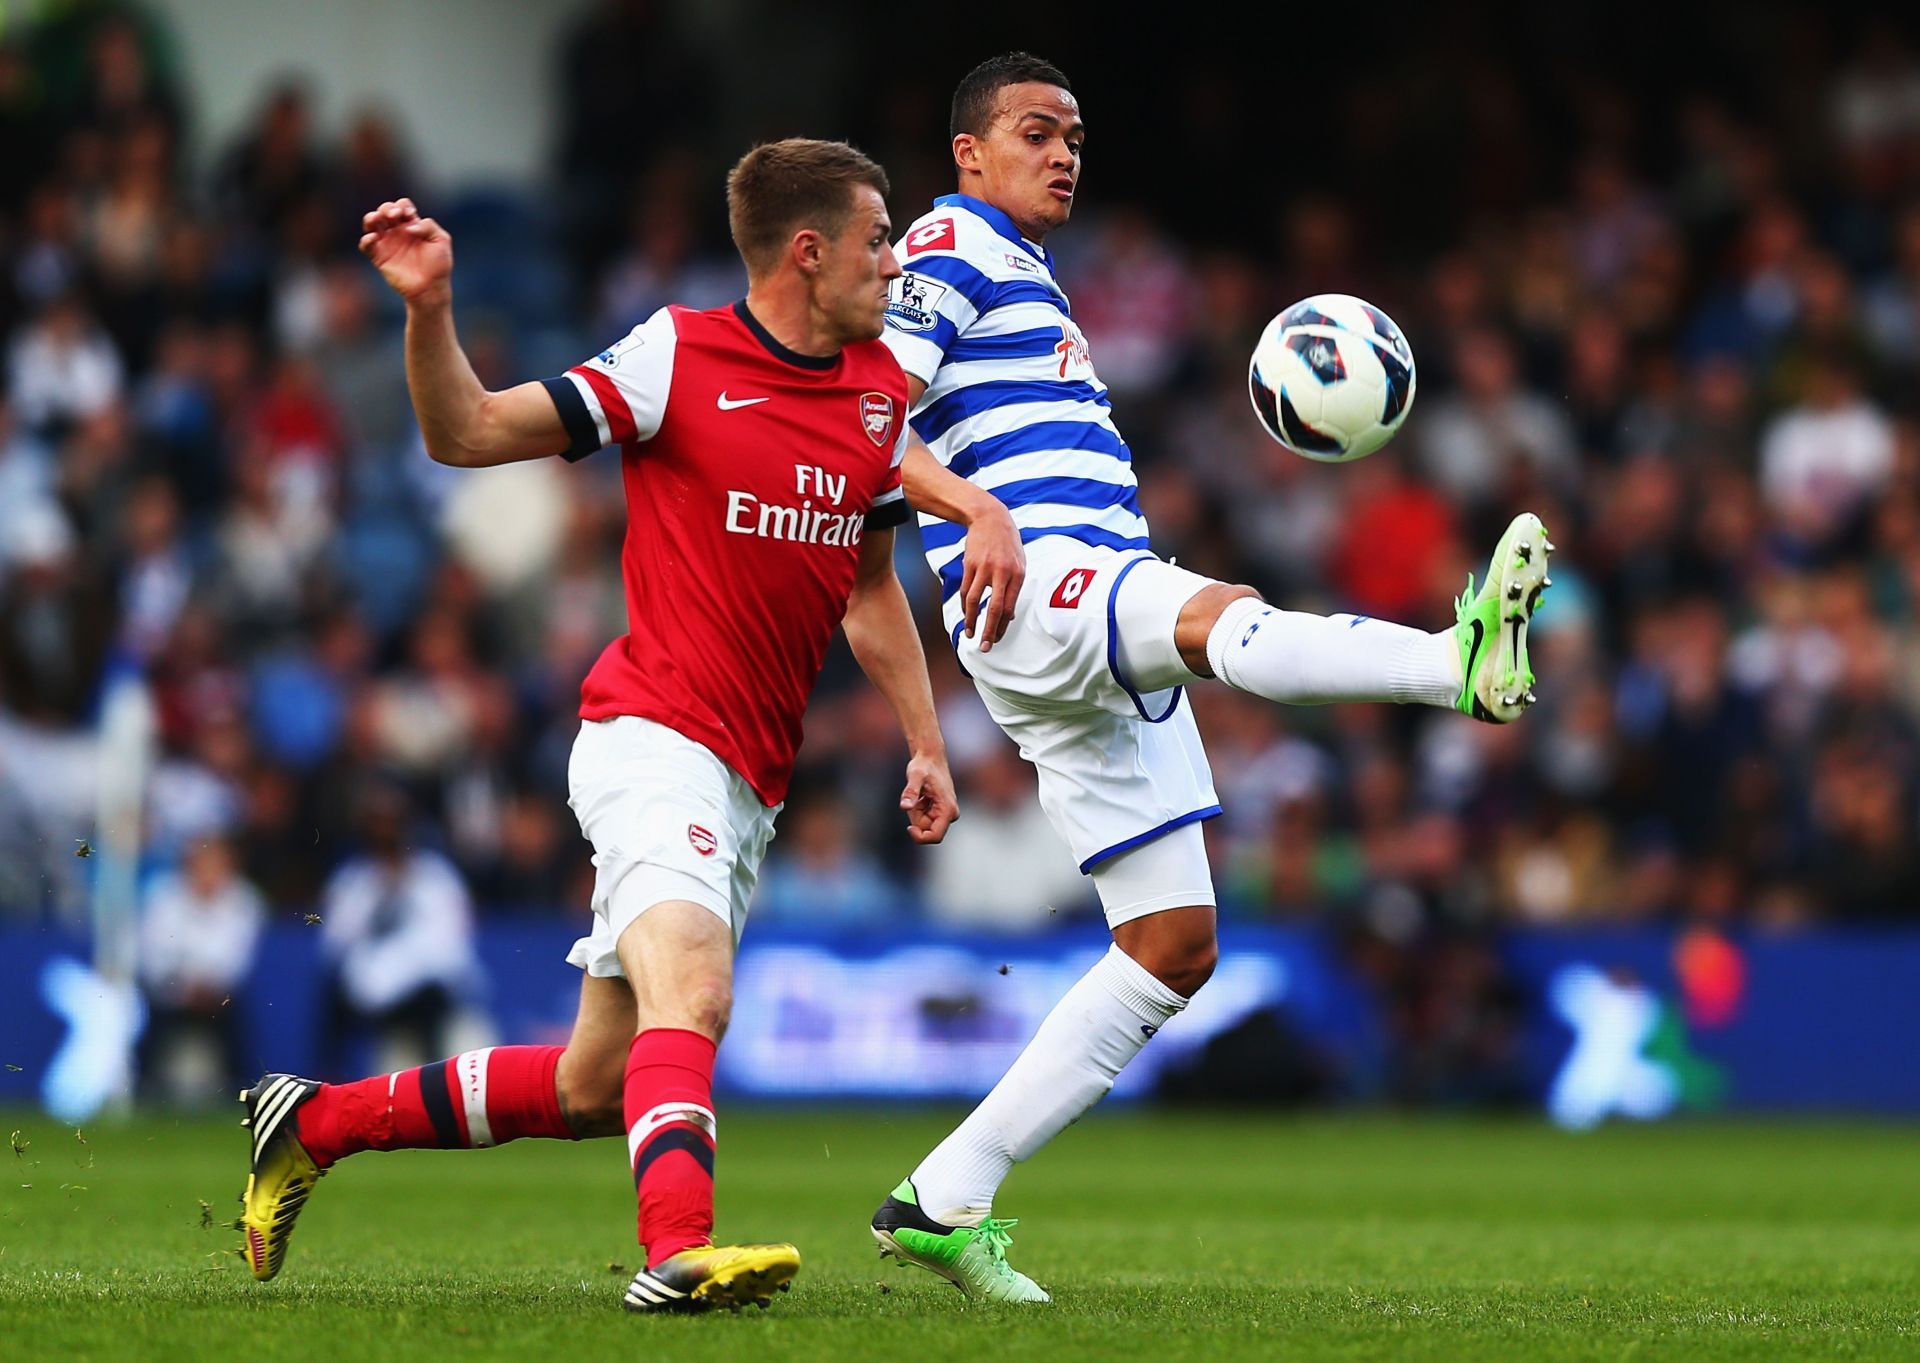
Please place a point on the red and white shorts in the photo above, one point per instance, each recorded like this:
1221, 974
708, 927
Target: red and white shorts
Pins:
667, 820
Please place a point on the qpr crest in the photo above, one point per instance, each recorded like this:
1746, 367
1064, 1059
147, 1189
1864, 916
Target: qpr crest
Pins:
876, 417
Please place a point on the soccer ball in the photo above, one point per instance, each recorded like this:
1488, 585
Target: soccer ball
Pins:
1332, 378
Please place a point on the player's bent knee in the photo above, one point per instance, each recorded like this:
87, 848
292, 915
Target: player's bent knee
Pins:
702, 1006
1196, 968
712, 1012
1208, 602
1178, 947
1198, 617
1184, 967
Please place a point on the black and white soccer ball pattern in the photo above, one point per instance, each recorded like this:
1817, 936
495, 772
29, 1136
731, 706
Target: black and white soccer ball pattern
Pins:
1332, 378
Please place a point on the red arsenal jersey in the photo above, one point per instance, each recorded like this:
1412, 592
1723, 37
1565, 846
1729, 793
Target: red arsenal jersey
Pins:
751, 473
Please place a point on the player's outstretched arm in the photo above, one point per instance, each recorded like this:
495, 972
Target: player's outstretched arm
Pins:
880, 630
462, 422
994, 567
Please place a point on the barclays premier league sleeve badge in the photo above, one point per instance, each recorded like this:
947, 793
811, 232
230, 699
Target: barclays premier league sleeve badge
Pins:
610, 357
913, 302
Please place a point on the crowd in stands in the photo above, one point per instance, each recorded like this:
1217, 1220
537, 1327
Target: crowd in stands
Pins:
1698, 366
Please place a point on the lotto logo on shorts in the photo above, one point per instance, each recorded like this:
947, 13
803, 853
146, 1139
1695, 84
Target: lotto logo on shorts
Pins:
703, 841
1072, 587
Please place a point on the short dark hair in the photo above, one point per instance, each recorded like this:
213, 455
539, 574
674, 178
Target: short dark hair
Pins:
779, 188
975, 97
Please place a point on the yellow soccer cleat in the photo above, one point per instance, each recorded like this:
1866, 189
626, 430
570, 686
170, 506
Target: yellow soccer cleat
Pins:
707, 1276
283, 1173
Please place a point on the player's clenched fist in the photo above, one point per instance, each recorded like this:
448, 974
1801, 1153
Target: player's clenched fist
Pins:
414, 254
928, 799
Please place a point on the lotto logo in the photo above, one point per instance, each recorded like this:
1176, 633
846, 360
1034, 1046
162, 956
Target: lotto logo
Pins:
1072, 587
935, 236
703, 841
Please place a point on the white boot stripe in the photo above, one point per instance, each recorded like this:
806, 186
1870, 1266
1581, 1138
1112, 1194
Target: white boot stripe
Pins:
273, 1110
644, 1282
279, 1098
270, 1118
264, 1096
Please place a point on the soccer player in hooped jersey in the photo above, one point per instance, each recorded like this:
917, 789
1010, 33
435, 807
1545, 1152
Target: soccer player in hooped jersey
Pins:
760, 445
1088, 677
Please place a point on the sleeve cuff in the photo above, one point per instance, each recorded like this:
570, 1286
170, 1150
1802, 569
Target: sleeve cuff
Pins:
888, 515
583, 436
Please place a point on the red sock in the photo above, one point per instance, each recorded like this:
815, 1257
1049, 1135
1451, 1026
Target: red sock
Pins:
476, 1099
670, 1132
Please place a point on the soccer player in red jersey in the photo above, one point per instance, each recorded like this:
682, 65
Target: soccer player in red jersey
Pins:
760, 445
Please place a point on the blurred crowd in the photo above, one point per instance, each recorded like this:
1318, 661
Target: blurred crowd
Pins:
1698, 366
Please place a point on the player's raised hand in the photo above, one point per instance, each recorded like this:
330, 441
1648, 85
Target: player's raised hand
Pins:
928, 799
995, 568
414, 254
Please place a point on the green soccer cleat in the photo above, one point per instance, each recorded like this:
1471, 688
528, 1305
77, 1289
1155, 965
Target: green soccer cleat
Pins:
972, 1258
1490, 626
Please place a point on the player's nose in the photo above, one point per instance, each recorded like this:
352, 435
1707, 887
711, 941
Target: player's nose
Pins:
889, 264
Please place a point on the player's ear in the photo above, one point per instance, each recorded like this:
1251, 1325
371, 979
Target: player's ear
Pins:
966, 151
806, 250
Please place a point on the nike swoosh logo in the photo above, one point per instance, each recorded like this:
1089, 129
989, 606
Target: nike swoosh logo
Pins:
728, 404
1473, 654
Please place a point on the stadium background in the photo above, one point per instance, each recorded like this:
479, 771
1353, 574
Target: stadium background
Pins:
1667, 293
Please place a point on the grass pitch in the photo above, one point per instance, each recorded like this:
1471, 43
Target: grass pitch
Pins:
1199, 1236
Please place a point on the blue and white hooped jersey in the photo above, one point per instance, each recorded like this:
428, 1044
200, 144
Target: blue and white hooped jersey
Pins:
1012, 403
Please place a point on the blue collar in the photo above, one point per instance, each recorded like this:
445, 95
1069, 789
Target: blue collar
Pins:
997, 220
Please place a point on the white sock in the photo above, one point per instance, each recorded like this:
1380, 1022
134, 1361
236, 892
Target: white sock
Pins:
1088, 1038
1301, 659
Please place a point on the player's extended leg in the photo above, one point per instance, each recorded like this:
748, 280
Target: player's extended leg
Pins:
1159, 901
678, 955
300, 1128
1479, 667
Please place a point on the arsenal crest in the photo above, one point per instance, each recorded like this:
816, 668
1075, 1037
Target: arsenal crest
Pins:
876, 417
703, 841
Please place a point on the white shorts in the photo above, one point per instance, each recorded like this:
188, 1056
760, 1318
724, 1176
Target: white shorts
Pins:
1167, 872
667, 820
1088, 682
